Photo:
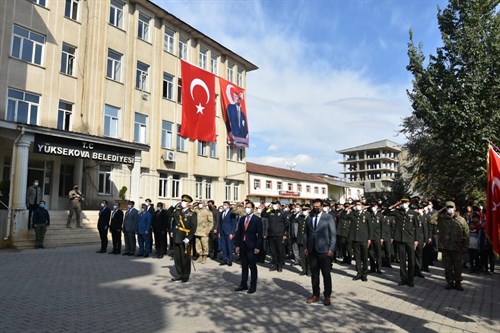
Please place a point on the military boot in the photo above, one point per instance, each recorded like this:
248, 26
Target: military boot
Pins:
203, 259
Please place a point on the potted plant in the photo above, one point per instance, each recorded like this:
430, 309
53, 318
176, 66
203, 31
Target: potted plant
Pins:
122, 203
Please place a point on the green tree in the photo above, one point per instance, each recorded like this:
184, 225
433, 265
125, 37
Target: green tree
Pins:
455, 101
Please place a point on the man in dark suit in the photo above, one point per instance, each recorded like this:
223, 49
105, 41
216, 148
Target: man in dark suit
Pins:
359, 236
185, 222
236, 121
103, 225
160, 229
248, 241
129, 223
319, 237
143, 230
116, 229
227, 228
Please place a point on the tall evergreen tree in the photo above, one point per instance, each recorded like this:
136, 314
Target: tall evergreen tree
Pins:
455, 101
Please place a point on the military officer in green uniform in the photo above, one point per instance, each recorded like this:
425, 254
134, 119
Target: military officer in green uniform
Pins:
359, 235
386, 236
453, 241
343, 226
375, 251
185, 223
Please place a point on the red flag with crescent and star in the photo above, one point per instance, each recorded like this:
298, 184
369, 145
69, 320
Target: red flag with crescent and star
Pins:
234, 112
198, 103
493, 200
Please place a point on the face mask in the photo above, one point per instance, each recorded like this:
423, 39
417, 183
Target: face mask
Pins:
316, 210
184, 204
35, 183
275, 207
248, 210
41, 206
221, 210
305, 212
404, 206
349, 202
325, 209
481, 207
259, 210
286, 209
297, 210
226, 207
129, 206
450, 211
200, 206
115, 206
358, 208
158, 209
374, 209
142, 210
103, 204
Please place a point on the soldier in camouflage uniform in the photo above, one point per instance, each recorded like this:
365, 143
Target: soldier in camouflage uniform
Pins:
205, 223
453, 240
75, 206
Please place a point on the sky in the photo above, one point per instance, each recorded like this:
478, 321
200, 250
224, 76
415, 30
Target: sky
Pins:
332, 73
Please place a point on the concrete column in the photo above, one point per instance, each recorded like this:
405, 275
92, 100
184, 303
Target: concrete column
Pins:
135, 178
78, 173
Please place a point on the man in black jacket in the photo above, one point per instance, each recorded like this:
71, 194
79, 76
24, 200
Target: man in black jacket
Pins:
115, 228
103, 225
277, 232
41, 220
160, 230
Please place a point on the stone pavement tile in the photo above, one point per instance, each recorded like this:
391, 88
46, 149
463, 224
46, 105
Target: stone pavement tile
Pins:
76, 290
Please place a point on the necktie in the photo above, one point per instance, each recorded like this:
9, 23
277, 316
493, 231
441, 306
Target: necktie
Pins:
246, 227
315, 222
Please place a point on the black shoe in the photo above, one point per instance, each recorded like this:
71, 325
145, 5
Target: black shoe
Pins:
130, 254
280, 269
251, 291
41, 247
112, 252
357, 277
241, 288
449, 286
184, 281
420, 275
36, 246
146, 255
364, 279
175, 279
373, 270
410, 284
389, 266
230, 264
401, 283
458, 286
223, 263
273, 268
100, 251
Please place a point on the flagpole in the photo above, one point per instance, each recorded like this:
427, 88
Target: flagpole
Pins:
496, 148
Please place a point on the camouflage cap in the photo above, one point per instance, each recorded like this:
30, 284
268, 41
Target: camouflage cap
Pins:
450, 204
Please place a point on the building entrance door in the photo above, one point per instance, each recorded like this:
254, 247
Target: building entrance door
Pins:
41, 171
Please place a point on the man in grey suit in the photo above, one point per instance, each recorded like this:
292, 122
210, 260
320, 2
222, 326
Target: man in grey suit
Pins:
319, 239
129, 223
33, 198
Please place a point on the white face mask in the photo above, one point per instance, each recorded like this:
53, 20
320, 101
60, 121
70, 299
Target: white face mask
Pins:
200, 206
226, 207
142, 210
374, 209
450, 211
129, 206
184, 204
158, 209
275, 207
35, 183
404, 206
248, 210
221, 210
358, 208
103, 204
297, 210
259, 210
325, 209
286, 209
305, 212
115, 207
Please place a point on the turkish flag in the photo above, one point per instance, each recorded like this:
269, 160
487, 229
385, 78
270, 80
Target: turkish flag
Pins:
493, 200
234, 111
198, 103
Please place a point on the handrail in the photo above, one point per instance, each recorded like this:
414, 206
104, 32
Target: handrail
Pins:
3, 203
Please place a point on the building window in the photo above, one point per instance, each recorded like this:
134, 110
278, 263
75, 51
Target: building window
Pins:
214, 60
114, 67
141, 80
140, 128
181, 142
279, 186
239, 79
104, 180
241, 154
111, 121
229, 152
168, 40
256, 184
323, 191
316, 190
64, 116
208, 188
236, 192
290, 187
42, 3
163, 186
228, 191
183, 47
22, 107
213, 149
168, 86
299, 187
166, 134
203, 57
27, 45
202, 148
269, 185
116, 14
143, 28
199, 188
176, 186
308, 188
229, 72
67, 59
179, 90
71, 9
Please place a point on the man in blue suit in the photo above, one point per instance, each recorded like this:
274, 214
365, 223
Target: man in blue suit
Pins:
227, 228
319, 239
129, 226
248, 241
143, 229
236, 121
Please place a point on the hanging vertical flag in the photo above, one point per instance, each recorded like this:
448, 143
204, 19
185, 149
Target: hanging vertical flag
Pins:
198, 103
234, 112
493, 200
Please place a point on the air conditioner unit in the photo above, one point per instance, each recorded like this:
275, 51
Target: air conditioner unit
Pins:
169, 156
145, 97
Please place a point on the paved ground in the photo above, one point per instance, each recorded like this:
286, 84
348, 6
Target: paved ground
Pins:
73, 289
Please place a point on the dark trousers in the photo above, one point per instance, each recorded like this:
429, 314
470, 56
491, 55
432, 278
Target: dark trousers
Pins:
227, 248
40, 230
160, 242
129, 241
144, 241
213, 245
487, 255
304, 260
406, 272
475, 264
182, 260
419, 254
31, 209
103, 233
428, 257
116, 237
453, 265
320, 262
263, 252
248, 260
361, 257
387, 252
345, 249
277, 251
375, 255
